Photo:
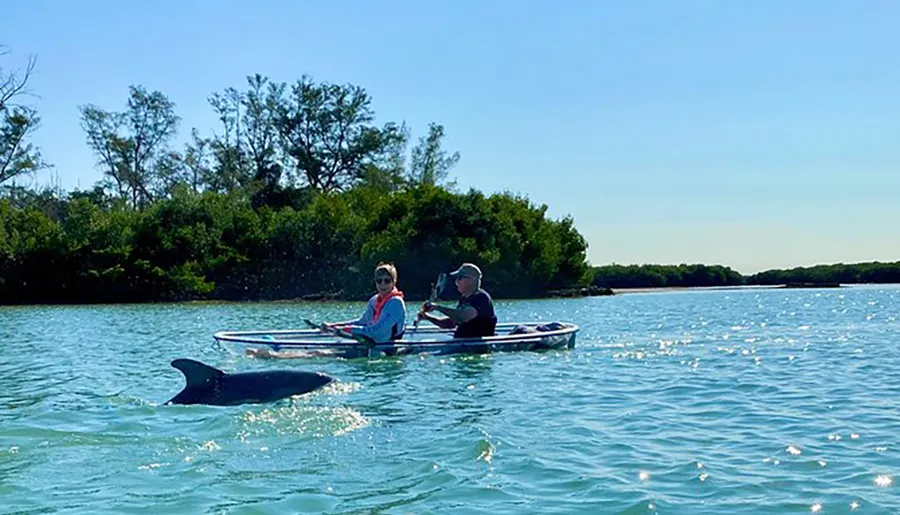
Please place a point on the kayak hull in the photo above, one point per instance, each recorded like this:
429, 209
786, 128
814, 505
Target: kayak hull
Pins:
510, 337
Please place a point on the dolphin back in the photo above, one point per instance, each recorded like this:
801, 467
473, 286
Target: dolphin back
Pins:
209, 385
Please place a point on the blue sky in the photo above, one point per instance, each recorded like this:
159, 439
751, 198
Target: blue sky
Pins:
751, 134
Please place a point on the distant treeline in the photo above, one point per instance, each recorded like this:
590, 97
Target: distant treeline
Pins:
858, 273
658, 276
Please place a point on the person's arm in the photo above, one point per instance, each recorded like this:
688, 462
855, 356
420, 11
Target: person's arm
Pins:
358, 321
443, 323
392, 313
457, 315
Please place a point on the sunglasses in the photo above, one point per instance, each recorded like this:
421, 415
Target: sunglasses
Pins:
383, 280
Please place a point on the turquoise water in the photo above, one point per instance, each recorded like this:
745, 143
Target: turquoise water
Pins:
697, 402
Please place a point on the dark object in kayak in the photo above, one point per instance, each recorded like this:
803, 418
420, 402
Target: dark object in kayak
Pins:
208, 385
543, 328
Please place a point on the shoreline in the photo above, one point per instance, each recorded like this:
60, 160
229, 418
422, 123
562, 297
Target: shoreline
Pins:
785, 286
663, 289
566, 294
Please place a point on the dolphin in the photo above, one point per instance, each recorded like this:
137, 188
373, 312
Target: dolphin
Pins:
208, 385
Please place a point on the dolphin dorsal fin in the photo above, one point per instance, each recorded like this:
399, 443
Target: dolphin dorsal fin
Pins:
196, 373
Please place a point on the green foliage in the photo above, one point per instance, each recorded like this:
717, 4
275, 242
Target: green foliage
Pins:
17, 155
871, 272
208, 245
329, 135
428, 229
655, 276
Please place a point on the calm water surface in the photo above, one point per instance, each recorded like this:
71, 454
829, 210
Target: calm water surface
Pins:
699, 402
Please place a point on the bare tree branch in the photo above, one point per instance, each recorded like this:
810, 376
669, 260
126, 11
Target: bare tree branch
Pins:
13, 84
17, 156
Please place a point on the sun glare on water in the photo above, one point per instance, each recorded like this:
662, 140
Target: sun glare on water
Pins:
883, 480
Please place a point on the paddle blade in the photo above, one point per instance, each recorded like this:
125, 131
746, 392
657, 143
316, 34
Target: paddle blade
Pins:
439, 286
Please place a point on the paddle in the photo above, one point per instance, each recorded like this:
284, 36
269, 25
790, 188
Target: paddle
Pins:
436, 288
337, 332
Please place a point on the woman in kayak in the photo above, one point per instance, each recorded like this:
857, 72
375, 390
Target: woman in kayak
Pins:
385, 316
383, 320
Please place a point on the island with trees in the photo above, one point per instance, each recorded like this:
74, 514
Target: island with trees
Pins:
297, 194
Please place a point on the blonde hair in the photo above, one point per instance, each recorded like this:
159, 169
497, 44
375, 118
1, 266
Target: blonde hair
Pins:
387, 268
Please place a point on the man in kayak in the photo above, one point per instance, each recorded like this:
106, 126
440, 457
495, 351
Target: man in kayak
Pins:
473, 316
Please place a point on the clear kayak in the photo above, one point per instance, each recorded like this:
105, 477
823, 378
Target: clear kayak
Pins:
312, 343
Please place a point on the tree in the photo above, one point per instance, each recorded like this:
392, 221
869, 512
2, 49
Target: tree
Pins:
197, 169
386, 173
249, 148
132, 145
231, 169
327, 131
261, 104
17, 155
430, 164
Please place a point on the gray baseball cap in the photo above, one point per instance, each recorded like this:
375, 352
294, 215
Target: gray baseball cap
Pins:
467, 270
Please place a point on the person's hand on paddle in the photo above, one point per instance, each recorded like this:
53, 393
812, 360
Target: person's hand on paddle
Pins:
427, 307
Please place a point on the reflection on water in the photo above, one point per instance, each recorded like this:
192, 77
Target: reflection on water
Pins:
314, 421
470, 366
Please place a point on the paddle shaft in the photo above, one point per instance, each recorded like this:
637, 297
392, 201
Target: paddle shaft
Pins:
435, 291
338, 332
